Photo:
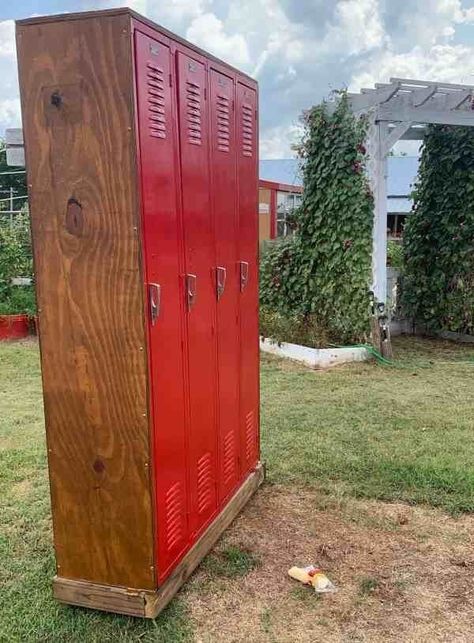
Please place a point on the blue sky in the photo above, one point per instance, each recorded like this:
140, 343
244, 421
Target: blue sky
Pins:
297, 49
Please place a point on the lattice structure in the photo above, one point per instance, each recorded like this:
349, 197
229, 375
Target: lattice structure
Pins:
401, 109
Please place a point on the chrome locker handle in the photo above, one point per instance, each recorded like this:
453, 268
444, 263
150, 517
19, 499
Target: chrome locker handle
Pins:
191, 290
244, 274
221, 275
154, 295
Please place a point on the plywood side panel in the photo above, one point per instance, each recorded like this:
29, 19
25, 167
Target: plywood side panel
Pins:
77, 103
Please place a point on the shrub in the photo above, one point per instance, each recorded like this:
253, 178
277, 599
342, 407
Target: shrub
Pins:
297, 329
16, 260
395, 255
438, 285
323, 271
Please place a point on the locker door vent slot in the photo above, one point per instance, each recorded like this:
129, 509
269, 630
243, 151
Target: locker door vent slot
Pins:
223, 123
204, 482
156, 101
193, 103
249, 434
174, 515
247, 130
229, 457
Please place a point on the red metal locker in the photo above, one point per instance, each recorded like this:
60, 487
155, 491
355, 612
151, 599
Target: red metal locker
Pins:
200, 288
224, 203
246, 122
161, 230
163, 179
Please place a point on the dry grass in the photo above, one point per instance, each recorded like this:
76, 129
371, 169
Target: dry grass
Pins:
403, 574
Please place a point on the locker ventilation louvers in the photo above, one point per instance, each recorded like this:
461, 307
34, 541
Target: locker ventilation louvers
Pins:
247, 130
156, 101
249, 434
204, 482
193, 101
223, 123
174, 516
229, 457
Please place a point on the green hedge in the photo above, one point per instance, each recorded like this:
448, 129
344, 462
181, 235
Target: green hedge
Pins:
438, 285
321, 274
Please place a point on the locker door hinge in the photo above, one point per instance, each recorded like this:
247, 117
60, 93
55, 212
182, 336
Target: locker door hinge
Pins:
205, 93
171, 80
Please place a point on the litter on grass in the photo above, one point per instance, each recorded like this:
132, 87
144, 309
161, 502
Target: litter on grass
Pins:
313, 576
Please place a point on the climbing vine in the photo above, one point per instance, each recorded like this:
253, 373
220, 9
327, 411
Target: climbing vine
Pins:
322, 271
438, 286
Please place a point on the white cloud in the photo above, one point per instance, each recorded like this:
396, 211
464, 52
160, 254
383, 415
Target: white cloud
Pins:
357, 27
275, 142
9, 100
208, 32
447, 63
7, 38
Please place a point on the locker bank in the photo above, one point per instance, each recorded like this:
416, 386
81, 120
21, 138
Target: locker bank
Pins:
141, 155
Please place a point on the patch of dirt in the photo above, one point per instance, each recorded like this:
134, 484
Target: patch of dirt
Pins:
403, 574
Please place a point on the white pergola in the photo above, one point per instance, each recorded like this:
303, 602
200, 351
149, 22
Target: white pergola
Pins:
401, 109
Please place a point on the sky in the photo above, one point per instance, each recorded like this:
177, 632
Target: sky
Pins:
298, 50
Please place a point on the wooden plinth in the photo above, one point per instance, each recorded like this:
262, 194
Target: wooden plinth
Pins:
146, 603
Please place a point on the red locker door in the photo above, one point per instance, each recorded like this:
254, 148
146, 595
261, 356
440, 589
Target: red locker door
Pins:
246, 119
200, 288
224, 202
165, 299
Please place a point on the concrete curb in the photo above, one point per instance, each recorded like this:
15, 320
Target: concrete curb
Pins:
315, 357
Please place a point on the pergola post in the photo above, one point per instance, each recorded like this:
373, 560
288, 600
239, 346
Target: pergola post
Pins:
377, 167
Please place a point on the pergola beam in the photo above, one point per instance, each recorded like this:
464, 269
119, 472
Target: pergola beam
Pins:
425, 83
391, 113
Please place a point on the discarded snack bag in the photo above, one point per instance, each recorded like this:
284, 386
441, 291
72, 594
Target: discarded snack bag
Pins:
313, 576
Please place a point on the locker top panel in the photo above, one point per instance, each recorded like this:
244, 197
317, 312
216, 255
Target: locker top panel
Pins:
138, 18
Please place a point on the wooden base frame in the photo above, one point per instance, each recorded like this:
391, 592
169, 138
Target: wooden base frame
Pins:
145, 603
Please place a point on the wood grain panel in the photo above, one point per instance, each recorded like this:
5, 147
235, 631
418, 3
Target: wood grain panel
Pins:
149, 604
77, 103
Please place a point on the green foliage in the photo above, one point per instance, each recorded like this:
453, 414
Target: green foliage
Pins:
305, 330
19, 300
16, 260
323, 270
395, 255
438, 288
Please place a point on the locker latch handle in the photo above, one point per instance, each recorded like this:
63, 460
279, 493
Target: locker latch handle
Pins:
244, 275
154, 294
191, 290
221, 274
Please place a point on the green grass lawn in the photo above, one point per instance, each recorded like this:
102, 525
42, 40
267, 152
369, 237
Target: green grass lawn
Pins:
395, 433
403, 432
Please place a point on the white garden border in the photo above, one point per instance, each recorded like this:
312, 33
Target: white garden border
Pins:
315, 357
